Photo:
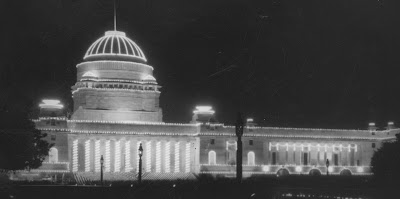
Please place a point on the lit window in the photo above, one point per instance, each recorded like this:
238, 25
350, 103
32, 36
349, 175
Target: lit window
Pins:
251, 158
53, 155
212, 158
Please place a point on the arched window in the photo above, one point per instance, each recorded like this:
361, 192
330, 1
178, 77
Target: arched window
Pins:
53, 155
251, 158
212, 159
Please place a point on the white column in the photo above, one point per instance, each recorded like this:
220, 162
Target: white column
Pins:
117, 164
107, 158
97, 155
148, 156
158, 157
167, 157
177, 156
128, 156
187, 158
87, 155
75, 156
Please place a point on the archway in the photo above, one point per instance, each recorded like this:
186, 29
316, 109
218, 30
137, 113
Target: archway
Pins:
251, 158
345, 172
315, 172
212, 158
53, 155
282, 172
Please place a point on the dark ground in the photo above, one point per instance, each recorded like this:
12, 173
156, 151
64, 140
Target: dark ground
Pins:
267, 187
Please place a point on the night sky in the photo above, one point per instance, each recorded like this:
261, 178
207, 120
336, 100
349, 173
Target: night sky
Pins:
296, 63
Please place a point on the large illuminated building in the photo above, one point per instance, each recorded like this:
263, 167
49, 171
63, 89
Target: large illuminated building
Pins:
116, 108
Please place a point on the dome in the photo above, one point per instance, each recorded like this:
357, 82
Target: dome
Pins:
115, 44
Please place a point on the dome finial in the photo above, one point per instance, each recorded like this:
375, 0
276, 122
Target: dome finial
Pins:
115, 17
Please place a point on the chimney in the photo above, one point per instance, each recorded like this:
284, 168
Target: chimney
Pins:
203, 114
390, 125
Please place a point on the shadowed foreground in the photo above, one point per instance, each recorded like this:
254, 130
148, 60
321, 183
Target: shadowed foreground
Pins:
270, 187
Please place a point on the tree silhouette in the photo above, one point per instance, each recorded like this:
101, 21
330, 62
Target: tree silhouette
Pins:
21, 144
386, 165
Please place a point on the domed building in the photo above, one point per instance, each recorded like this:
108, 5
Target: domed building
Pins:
114, 83
116, 109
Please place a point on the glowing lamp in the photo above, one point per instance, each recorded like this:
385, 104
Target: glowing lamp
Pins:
360, 169
266, 168
250, 120
390, 123
371, 124
330, 169
298, 169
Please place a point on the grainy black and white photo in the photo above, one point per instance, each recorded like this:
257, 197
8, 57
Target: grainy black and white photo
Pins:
195, 99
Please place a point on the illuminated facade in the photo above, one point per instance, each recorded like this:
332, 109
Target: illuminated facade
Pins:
116, 107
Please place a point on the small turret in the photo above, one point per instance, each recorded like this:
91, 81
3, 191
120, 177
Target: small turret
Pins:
372, 127
51, 108
203, 114
250, 122
390, 125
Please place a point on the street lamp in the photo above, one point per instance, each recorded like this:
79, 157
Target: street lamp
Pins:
327, 167
101, 169
140, 163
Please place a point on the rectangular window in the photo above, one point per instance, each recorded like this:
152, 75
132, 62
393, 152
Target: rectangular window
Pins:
53, 122
358, 162
53, 137
305, 158
251, 142
212, 141
336, 159
273, 158
373, 145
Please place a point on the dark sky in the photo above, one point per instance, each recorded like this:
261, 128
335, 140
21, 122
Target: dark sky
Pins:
298, 63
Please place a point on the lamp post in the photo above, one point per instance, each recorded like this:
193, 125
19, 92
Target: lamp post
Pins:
101, 170
140, 163
327, 167
239, 134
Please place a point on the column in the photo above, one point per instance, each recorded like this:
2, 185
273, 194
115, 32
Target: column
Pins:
148, 156
107, 157
117, 163
187, 158
158, 157
177, 157
97, 155
167, 157
128, 156
75, 156
87, 156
